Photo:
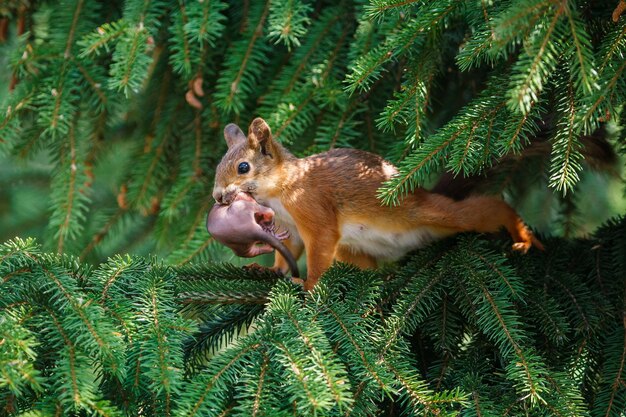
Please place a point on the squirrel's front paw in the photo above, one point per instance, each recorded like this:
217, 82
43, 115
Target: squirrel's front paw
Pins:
260, 268
297, 281
256, 267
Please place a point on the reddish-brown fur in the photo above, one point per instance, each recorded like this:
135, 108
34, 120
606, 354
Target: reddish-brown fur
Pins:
330, 200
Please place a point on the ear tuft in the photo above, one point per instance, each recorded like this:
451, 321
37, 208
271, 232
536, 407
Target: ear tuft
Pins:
259, 134
233, 134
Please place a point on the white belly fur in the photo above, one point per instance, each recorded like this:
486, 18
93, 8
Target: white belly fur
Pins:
383, 244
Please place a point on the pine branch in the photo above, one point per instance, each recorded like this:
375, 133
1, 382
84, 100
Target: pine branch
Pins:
411, 103
210, 390
497, 318
181, 59
220, 327
152, 170
429, 158
258, 400
72, 31
413, 305
613, 44
350, 346
17, 371
417, 396
162, 339
105, 35
518, 20
328, 345
321, 378
401, 41
56, 116
311, 52
131, 61
599, 105
378, 8
68, 382
518, 130
481, 46
196, 28
221, 285
287, 21
196, 245
612, 398
204, 24
243, 65
290, 119
535, 65
69, 192
232, 293
88, 319
567, 157
549, 317
582, 66
339, 130
304, 394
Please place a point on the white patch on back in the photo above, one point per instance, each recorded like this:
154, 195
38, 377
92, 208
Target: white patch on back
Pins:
389, 171
383, 244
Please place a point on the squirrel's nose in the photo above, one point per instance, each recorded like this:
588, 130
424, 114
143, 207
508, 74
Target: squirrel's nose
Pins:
225, 195
217, 195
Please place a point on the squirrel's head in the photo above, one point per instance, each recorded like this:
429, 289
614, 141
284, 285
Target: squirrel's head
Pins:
249, 162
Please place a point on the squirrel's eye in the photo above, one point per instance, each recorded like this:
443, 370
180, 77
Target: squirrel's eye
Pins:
243, 168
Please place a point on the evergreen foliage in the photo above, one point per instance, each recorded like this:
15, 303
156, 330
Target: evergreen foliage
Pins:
111, 118
124, 338
118, 107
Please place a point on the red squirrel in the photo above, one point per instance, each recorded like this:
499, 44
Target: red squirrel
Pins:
244, 223
328, 203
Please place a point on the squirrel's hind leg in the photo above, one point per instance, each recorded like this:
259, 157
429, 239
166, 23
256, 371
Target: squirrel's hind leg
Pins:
320, 252
361, 260
488, 214
479, 214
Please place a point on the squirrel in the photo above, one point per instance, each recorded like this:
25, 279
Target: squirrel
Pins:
328, 202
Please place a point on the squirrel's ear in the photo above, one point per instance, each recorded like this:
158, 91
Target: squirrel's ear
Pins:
260, 135
233, 134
